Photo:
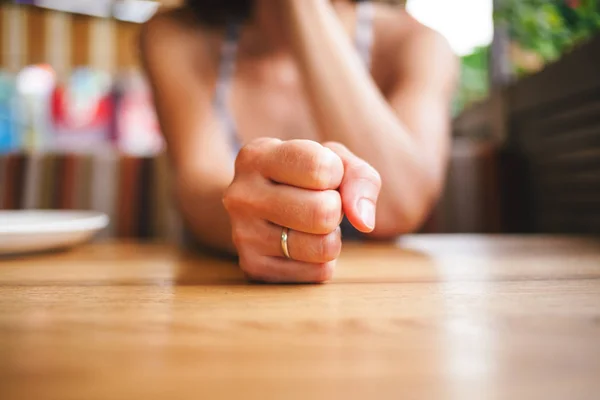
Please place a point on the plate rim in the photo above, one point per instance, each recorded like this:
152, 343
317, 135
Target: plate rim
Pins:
86, 221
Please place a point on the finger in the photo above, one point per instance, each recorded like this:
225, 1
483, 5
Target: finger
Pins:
359, 189
251, 156
302, 246
308, 211
277, 270
303, 163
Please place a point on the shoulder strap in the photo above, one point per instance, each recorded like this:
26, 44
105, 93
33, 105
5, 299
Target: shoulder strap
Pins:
364, 30
225, 76
227, 63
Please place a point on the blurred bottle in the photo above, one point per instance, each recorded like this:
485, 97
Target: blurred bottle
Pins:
35, 85
137, 130
82, 111
9, 137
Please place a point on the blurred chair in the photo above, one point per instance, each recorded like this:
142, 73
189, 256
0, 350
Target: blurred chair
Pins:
470, 202
554, 130
527, 159
133, 191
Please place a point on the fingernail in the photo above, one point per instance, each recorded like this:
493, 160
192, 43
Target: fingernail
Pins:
366, 210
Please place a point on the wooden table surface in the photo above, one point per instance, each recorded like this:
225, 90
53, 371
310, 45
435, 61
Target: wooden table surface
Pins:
449, 317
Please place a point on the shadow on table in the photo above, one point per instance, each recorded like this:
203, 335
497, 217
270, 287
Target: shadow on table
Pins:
359, 263
24, 255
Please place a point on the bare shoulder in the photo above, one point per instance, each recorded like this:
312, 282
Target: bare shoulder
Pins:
174, 35
165, 29
414, 48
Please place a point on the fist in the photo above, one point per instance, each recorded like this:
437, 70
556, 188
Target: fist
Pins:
303, 186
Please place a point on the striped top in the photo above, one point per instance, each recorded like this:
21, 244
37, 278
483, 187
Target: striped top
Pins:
363, 40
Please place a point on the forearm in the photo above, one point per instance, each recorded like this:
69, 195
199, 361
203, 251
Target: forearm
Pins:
349, 108
205, 216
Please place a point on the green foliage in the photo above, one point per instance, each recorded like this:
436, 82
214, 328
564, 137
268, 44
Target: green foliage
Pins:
541, 31
547, 28
474, 79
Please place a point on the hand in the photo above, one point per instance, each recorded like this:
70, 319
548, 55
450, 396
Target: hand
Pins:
295, 184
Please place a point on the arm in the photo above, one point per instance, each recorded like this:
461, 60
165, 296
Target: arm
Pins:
404, 135
181, 84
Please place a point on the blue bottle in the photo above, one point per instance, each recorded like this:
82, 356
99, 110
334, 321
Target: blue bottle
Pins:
9, 135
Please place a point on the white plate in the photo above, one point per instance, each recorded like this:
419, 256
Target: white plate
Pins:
35, 231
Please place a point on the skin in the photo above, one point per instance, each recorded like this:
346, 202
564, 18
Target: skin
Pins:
321, 133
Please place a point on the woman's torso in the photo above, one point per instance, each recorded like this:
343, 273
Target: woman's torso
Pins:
264, 96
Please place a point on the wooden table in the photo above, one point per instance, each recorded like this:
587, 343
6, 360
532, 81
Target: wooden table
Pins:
463, 317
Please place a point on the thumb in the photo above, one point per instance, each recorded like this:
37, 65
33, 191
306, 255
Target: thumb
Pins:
359, 189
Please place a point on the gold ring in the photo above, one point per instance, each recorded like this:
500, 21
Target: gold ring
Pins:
284, 243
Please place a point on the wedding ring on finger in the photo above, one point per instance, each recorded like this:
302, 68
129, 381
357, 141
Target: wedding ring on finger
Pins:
284, 243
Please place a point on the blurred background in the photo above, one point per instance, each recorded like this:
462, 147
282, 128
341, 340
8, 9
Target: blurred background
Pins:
78, 128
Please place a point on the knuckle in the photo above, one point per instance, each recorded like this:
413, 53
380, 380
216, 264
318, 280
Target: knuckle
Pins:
247, 157
330, 246
238, 237
294, 146
253, 269
325, 272
253, 274
261, 141
234, 198
327, 211
325, 168
366, 172
335, 146
255, 156
228, 199
374, 176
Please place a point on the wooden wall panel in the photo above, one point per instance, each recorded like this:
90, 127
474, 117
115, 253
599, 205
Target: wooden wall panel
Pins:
68, 40
550, 175
2, 36
30, 35
14, 32
58, 42
103, 41
127, 45
80, 40
36, 35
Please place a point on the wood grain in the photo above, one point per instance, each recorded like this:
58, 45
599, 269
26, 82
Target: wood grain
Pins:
127, 46
448, 317
3, 35
36, 32
80, 40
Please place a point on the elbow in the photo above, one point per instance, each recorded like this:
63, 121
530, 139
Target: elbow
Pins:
402, 214
399, 221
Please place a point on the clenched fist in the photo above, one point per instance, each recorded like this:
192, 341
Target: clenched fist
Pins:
307, 188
